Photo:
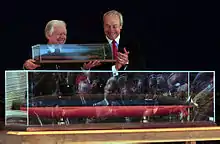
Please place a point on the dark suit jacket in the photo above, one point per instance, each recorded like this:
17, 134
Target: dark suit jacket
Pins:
136, 57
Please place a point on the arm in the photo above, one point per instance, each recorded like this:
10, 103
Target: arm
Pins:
86, 70
30, 64
121, 62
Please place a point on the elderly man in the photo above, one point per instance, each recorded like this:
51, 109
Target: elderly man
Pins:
125, 50
56, 33
55, 83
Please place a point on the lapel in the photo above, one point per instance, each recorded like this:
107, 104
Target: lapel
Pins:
121, 44
108, 51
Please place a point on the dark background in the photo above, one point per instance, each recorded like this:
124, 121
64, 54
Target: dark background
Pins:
174, 35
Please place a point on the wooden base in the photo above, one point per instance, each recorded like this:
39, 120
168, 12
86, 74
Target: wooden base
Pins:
74, 61
112, 126
121, 136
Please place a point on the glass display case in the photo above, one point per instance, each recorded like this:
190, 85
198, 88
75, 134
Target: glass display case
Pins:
59, 98
71, 53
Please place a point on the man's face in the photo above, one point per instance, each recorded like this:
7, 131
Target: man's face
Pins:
58, 36
112, 26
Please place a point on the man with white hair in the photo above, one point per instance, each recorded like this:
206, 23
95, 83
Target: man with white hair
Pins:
55, 83
125, 48
56, 33
126, 51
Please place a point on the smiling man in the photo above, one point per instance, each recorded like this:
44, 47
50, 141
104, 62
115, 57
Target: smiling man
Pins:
125, 48
56, 33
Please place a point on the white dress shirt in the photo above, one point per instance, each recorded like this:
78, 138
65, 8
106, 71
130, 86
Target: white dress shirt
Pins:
114, 70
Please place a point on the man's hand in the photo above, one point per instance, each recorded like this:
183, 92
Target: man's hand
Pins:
122, 59
91, 64
30, 64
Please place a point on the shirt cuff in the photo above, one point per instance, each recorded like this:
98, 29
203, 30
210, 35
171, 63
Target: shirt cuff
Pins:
125, 67
24, 68
114, 71
86, 72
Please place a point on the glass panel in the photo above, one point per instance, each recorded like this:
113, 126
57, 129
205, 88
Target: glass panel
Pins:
76, 97
67, 53
16, 87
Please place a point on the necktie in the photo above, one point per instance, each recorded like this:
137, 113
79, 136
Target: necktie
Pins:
114, 49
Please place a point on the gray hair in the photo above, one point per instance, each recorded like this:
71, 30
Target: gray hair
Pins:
114, 12
50, 26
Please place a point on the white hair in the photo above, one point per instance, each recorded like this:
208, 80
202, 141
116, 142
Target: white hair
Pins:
114, 12
50, 26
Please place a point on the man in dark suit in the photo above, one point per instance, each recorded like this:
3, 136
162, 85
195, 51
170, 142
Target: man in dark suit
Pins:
126, 51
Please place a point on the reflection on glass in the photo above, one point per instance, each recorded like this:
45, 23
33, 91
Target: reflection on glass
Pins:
74, 52
72, 97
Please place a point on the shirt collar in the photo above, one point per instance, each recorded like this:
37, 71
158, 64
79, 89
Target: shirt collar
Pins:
110, 41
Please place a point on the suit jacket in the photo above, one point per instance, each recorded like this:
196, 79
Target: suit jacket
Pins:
136, 60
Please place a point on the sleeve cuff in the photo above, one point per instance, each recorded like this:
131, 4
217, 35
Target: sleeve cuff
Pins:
114, 71
86, 72
24, 68
125, 67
